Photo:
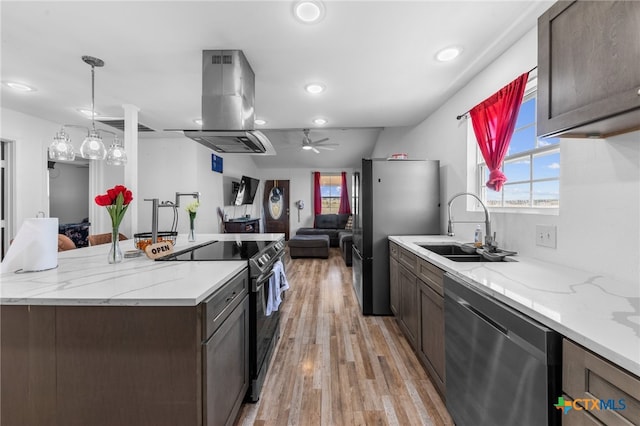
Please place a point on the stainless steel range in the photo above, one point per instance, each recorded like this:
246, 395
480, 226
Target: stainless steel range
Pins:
263, 329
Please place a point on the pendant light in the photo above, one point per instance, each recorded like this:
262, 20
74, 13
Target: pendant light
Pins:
116, 155
92, 146
61, 148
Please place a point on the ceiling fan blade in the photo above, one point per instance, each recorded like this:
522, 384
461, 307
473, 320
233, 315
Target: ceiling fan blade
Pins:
326, 148
327, 144
320, 141
315, 150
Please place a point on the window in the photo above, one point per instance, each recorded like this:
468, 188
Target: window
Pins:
532, 166
330, 192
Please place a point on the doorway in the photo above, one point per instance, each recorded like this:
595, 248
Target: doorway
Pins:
69, 191
276, 207
69, 198
6, 185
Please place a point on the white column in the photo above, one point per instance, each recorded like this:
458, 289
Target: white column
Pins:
98, 217
131, 168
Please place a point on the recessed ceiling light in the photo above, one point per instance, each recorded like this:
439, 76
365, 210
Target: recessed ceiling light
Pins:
198, 121
309, 11
260, 122
19, 87
314, 88
448, 54
320, 121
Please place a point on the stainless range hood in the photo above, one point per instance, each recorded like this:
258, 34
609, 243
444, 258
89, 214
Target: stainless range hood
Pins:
228, 87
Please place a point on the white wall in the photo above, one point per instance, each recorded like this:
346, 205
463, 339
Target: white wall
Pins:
598, 225
30, 137
171, 165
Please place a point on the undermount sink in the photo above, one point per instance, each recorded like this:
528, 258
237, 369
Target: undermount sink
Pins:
456, 253
465, 257
446, 250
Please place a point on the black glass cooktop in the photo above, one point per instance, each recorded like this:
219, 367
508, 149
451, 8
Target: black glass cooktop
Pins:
220, 250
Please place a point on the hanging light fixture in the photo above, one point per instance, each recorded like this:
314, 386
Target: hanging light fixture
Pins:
116, 156
92, 146
61, 148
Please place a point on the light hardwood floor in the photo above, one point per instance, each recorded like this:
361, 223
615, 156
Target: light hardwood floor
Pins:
334, 366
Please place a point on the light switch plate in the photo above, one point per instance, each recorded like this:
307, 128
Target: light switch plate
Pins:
546, 236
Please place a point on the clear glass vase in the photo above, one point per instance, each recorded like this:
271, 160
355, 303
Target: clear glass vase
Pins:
115, 254
192, 228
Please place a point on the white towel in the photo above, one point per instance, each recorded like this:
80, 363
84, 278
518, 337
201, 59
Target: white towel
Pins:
273, 297
277, 284
278, 269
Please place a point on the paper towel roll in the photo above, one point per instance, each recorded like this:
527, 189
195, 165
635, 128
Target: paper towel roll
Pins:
35, 247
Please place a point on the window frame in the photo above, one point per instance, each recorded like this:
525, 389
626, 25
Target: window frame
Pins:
322, 198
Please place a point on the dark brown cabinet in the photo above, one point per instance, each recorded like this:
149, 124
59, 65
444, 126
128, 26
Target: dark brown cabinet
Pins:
226, 368
417, 300
586, 376
226, 351
248, 226
588, 69
408, 308
394, 289
431, 349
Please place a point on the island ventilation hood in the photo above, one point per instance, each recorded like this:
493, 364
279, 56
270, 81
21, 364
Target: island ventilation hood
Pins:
228, 87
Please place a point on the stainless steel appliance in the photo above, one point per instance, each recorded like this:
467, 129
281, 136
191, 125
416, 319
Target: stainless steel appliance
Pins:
263, 328
396, 197
502, 367
228, 97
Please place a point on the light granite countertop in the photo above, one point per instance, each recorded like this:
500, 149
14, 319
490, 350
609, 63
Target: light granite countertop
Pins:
596, 311
84, 277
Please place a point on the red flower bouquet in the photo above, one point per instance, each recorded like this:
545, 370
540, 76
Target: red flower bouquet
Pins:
116, 200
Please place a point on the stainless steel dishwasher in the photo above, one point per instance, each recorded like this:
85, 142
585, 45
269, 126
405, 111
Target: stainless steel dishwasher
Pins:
502, 367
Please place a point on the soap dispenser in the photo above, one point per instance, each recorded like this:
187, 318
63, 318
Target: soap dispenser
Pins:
477, 238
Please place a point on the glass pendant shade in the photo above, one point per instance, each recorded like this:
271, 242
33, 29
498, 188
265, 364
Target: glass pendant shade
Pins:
92, 147
61, 148
116, 156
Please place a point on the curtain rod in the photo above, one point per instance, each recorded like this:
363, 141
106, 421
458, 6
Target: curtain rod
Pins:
461, 116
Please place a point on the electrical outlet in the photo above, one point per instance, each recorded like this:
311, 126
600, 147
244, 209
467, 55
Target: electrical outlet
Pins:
546, 236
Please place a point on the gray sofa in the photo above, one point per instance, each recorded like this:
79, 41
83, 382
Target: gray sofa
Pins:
346, 242
328, 224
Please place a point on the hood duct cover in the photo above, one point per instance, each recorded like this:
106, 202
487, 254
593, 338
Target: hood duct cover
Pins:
228, 87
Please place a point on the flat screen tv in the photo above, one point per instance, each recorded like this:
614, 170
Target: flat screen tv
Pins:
246, 190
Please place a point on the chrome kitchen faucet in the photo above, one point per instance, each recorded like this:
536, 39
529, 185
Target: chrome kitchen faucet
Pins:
489, 238
155, 205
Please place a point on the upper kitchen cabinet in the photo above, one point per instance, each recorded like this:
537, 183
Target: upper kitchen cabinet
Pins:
589, 69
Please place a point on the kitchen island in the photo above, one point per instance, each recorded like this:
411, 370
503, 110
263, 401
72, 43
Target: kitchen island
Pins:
101, 344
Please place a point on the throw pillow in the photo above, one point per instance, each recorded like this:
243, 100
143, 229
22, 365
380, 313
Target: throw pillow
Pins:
349, 224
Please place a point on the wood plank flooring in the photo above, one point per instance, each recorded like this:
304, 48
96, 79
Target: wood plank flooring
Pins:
334, 366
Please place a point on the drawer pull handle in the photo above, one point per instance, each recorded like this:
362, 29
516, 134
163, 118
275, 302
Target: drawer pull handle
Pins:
230, 298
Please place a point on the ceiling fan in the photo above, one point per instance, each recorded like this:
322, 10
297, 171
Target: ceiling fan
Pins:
308, 144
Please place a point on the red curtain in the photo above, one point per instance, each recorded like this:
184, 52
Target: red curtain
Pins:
344, 207
317, 197
494, 121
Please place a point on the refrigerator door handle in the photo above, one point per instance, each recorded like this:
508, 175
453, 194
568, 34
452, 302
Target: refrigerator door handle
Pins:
357, 252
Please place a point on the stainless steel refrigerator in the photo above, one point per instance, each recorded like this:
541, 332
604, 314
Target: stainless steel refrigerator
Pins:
394, 197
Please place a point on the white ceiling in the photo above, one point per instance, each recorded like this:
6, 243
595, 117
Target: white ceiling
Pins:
376, 59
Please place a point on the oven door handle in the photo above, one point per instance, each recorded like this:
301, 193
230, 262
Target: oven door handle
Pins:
260, 291
259, 282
